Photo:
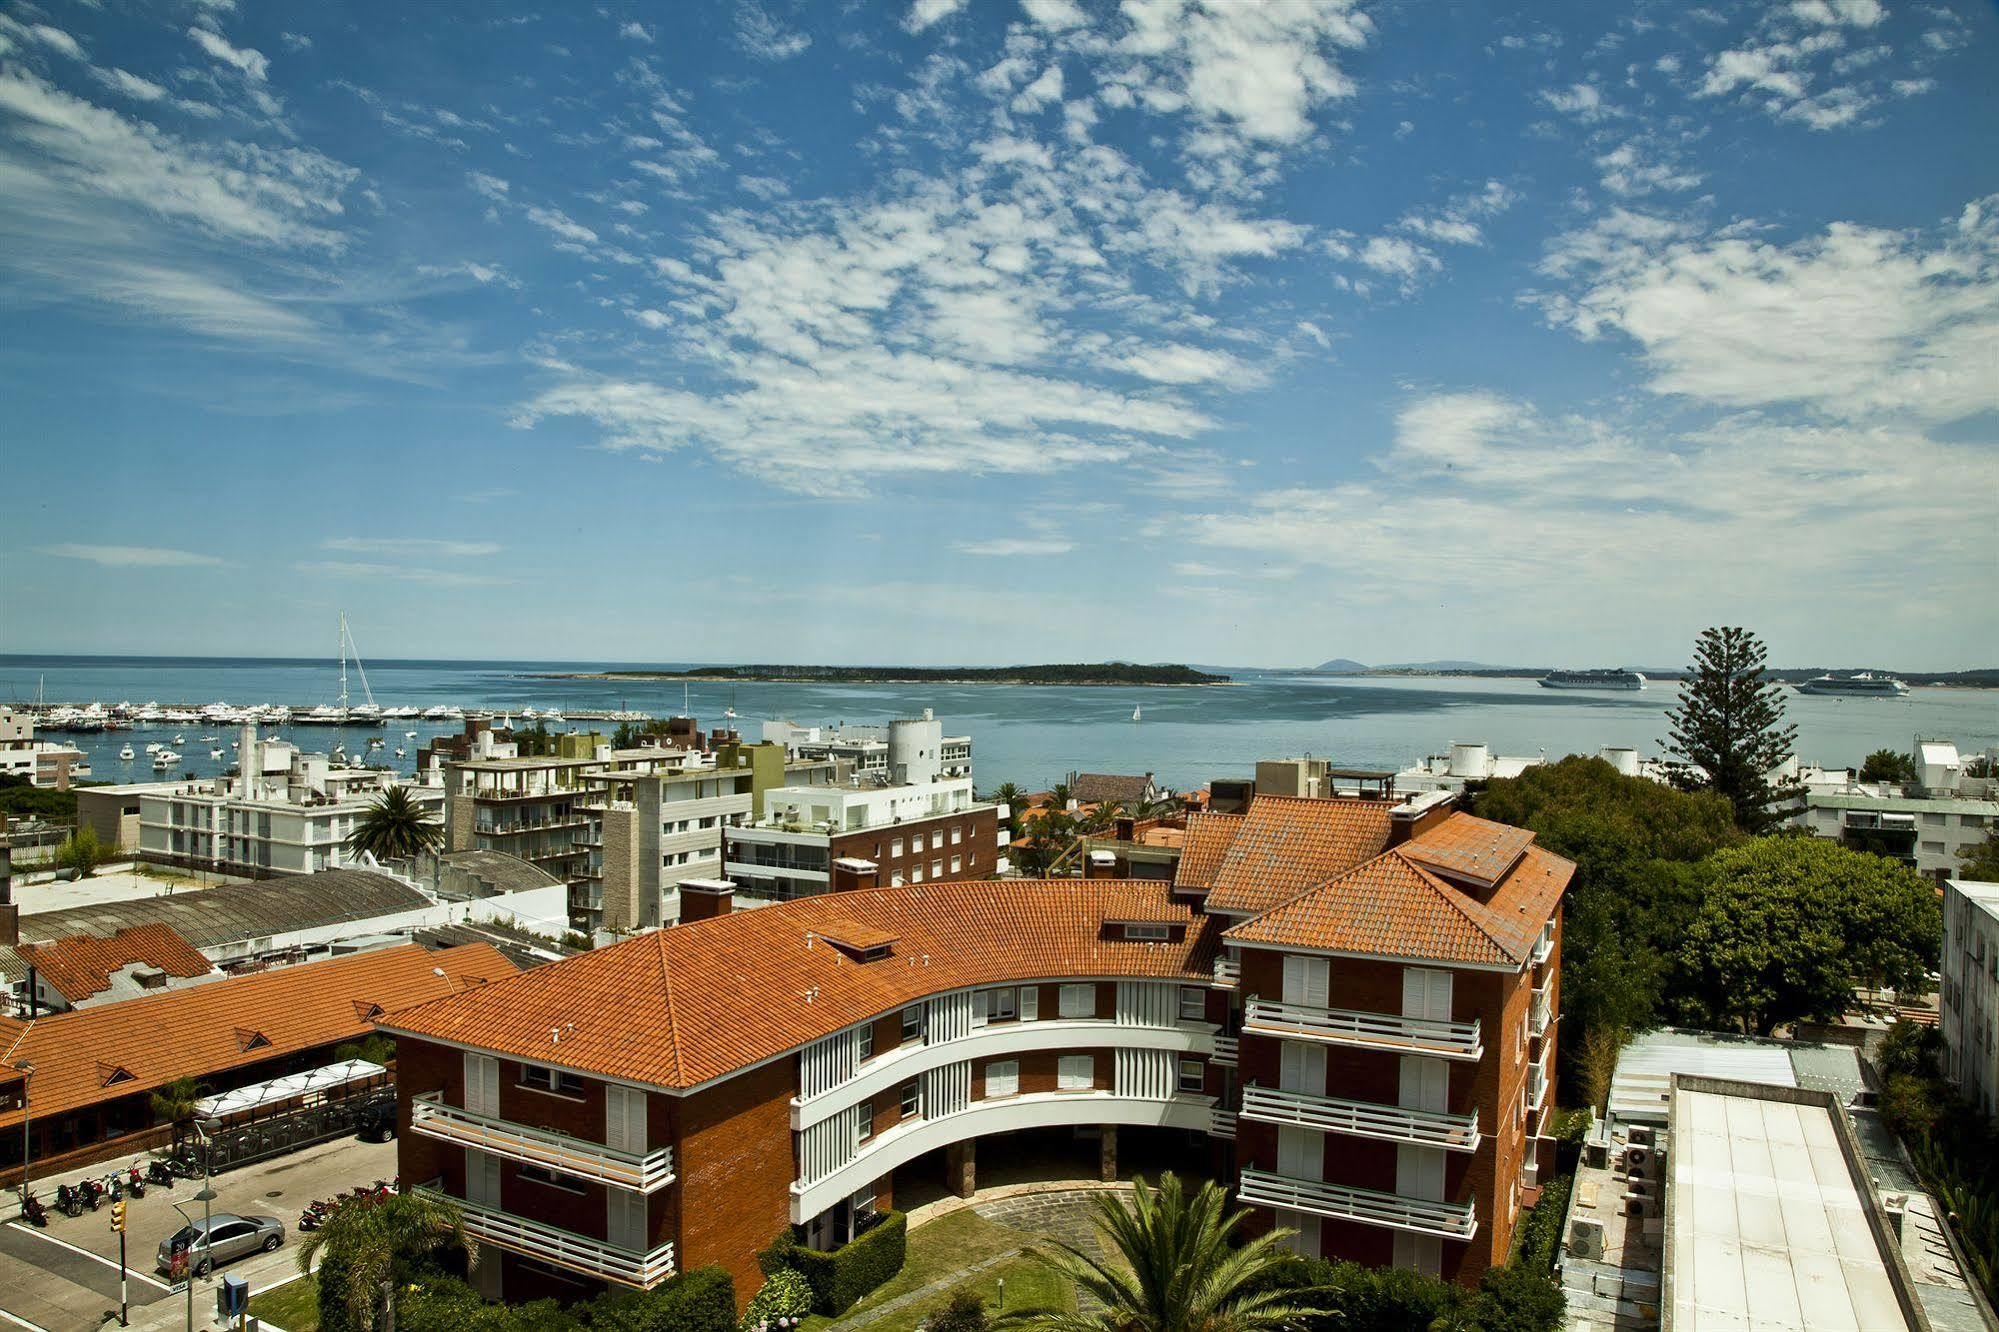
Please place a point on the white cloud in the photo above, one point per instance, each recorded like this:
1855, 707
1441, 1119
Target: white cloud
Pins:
1457, 222
1013, 547
404, 573
764, 37
1834, 13
1397, 257
491, 186
1854, 321
1044, 90
1177, 363
635, 31
253, 65
128, 84
1583, 101
42, 34
559, 222
1630, 171
413, 546
923, 13
131, 557
1055, 15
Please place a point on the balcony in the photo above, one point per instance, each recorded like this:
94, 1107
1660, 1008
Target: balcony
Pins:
1221, 1123
1228, 971
1537, 1088
1227, 1050
1544, 948
1363, 1119
1366, 1031
649, 1173
1266, 1188
563, 1248
1540, 1014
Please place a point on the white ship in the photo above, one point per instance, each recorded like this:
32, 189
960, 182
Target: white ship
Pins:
1619, 679
1861, 684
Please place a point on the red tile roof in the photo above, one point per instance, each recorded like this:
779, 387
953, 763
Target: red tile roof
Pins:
112, 1050
81, 965
1468, 848
1394, 906
1201, 851
1287, 844
684, 1005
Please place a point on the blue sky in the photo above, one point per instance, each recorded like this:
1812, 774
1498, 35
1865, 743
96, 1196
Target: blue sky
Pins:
947, 332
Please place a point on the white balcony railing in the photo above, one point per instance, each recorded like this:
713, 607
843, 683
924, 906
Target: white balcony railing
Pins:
1367, 1031
563, 1248
1370, 1207
647, 1173
1363, 1119
1228, 971
1540, 1012
1544, 947
1221, 1123
1537, 1089
1227, 1050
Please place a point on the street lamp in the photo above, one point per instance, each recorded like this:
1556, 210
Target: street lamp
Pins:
27, 1071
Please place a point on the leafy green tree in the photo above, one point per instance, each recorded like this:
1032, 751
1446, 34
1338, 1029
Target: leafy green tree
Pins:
395, 828
1101, 819
1010, 795
1730, 725
1047, 838
1635, 843
81, 851
1980, 861
965, 1313
1058, 795
362, 1244
1177, 1268
374, 1048
1789, 927
175, 1103
1888, 765
1515, 1298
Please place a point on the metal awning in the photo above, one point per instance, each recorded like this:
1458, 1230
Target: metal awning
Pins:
290, 1087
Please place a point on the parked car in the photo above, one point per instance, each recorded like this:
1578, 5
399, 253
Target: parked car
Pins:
228, 1236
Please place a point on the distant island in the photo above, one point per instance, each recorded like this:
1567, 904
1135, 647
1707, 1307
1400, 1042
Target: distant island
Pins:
1987, 678
1081, 673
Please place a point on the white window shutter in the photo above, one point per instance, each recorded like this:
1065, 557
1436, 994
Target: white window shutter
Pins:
981, 1009
1030, 1002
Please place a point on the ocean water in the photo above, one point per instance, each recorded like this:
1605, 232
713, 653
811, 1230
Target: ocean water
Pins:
1033, 735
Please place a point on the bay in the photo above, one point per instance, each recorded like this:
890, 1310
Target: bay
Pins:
1033, 735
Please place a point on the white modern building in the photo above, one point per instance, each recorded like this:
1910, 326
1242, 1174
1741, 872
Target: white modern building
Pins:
654, 820
1970, 995
901, 751
42, 762
1928, 824
285, 812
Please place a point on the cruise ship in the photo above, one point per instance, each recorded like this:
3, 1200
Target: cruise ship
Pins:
1593, 680
1861, 684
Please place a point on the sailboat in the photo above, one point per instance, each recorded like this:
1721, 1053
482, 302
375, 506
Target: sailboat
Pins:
1135, 714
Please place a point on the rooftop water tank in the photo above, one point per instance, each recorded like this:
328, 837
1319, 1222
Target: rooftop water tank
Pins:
1469, 759
1621, 757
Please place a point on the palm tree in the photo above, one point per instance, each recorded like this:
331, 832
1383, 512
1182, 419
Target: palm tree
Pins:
361, 1244
1058, 795
1102, 818
1179, 1270
395, 828
1010, 795
175, 1104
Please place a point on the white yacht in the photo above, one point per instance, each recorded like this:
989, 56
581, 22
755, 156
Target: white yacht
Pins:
165, 759
126, 755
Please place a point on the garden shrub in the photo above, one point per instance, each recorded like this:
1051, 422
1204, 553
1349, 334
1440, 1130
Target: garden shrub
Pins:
847, 1273
786, 1294
1541, 1232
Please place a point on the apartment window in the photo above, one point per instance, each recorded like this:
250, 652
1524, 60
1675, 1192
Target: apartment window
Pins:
1078, 1001
1193, 1076
867, 1042
864, 1121
916, 874
937, 840
549, 1178
895, 847
1933, 848
1149, 933
1030, 1002
1000, 1005
936, 869
1193, 1004
1075, 1073
957, 863
553, 1081
912, 1022
1934, 820
957, 835
1002, 1078
912, 1099
1971, 820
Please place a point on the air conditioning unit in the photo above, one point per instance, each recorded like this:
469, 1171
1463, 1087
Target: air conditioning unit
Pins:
1636, 1205
1586, 1238
1635, 1158
1640, 1135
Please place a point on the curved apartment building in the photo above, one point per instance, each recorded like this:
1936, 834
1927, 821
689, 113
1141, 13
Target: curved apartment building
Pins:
1364, 1056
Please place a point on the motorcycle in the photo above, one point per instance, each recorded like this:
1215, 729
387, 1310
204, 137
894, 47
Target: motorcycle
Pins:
314, 1216
114, 1185
135, 1183
69, 1201
159, 1172
33, 1212
91, 1193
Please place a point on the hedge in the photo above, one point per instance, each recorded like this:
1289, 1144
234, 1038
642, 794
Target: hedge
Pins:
1541, 1232
841, 1277
703, 1300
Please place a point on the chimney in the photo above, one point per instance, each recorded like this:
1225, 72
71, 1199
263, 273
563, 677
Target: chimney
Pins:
1127, 829
851, 872
704, 899
1102, 865
1421, 813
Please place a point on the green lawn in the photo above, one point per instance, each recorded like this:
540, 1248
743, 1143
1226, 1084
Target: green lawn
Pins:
293, 1306
949, 1245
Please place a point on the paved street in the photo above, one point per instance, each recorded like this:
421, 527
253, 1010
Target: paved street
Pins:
65, 1278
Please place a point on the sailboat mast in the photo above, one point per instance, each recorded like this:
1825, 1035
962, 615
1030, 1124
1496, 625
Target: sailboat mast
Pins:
343, 661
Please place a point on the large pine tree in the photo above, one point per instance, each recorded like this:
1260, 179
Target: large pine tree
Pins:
1730, 725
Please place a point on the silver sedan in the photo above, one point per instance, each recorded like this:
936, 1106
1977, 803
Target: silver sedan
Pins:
226, 1236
